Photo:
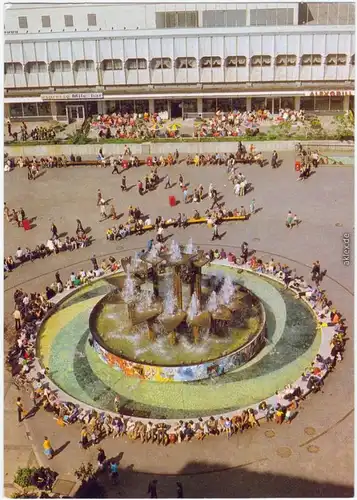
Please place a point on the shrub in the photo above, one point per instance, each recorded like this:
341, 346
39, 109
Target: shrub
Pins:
23, 476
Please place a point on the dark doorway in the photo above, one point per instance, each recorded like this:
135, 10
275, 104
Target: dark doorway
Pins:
176, 109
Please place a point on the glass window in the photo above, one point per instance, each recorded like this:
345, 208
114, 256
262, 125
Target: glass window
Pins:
61, 108
68, 21
285, 60
311, 60
92, 19
141, 106
136, 64
127, 106
239, 104
271, 17
30, 109
112, 64
322, 103
235, 61
190, 106
12, 68
261, 61
307, 103
258, 103
46, 21
185, 62
209, 105
336, 59
182, 19
211, 62
59, 66
36, 67
286, 102
336, 103
22, 22
224, 104
161, 105
161, 63
16, 110
44, 109
85, 65
223, 18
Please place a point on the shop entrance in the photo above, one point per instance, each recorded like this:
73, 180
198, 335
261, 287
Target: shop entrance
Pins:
176, 109
75, 114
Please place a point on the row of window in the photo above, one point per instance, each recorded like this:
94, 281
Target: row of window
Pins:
180, 63
309, 13
46, 21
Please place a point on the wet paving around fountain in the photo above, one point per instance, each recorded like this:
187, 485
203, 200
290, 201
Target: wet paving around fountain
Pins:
292, 342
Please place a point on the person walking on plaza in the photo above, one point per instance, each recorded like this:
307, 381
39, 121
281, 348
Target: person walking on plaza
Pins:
152, 488
274, 159
21, 413
179, 489
123, 183
185, 194
252, 206
79, 226
214, 198
181, 183
176, 156
215, 234
101, 458
114, 164
47, 448
54, 231
316, 272
9, 129
140, 188
102, 209
99, 197
168, 181
17, 317
289, 220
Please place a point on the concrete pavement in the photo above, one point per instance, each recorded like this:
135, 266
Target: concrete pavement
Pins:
321, 202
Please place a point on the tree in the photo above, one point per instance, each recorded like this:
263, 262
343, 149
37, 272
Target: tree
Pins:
313, 128
345, 125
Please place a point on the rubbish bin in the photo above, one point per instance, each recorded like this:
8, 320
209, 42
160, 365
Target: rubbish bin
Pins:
172, 201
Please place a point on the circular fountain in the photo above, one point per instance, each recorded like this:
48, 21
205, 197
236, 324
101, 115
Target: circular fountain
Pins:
161, 323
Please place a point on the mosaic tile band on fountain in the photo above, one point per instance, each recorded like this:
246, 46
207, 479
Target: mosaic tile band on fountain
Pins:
185, 373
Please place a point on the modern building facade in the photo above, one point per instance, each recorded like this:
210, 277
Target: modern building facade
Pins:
65, 61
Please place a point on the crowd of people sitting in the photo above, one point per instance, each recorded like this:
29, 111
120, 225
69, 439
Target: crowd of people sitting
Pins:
30, 309
137, 223
130, 125
292, 115
54, 245
242, 155
238, 123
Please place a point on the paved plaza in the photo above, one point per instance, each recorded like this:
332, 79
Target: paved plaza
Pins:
311, 457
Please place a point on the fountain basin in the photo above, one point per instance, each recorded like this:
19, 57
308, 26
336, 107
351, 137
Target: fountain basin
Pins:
229, 339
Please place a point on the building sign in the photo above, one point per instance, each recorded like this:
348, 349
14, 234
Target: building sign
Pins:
330, 93
71, 97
